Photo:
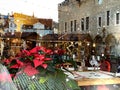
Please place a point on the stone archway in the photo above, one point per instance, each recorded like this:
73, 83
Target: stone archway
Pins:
110, 40
99, 48
98, 39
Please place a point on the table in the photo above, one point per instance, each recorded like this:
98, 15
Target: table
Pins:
85, 78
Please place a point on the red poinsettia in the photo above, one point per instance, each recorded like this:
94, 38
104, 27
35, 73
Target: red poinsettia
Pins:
59, 51
30, 60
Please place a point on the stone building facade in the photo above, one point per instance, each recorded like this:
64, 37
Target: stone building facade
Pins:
99, 18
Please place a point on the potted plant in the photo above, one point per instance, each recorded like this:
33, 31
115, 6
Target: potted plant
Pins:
36, 69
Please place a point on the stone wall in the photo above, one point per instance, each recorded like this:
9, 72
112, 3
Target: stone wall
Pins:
89, 8
71, 10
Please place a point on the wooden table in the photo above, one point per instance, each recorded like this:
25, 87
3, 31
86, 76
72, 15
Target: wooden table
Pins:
101, 81
97, 78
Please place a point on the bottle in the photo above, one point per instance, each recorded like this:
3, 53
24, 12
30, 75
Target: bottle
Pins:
83, 64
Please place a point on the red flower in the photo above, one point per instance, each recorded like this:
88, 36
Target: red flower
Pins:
21, 64
40, 57
49, 51
61, 52
7, 61
41, 48
34, 50
27, 58
37, 62
30, 71
44, 66
15, 66
26, 53
56, 51
48, 59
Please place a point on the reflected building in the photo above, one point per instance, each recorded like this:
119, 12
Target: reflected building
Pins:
16, 27
26, 20
98, 18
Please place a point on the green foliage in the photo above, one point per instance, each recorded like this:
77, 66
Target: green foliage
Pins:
32, 86
41, 52
50, 81
43, 79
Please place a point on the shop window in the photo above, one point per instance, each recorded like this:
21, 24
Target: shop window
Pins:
75, 22
65, 26
100, 1
117, 18
87, 23
108, 18
82, 24
71, 24
99, 21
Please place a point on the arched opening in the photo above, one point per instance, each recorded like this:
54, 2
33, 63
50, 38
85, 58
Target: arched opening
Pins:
99, 46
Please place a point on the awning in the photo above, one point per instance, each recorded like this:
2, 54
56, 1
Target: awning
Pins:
30, 36
50, 37
11, 35
76, 37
